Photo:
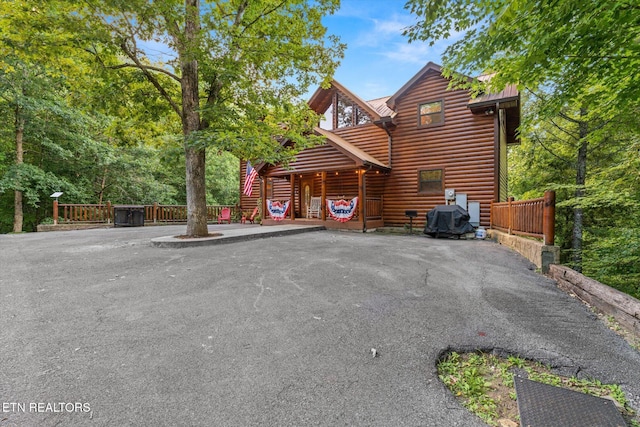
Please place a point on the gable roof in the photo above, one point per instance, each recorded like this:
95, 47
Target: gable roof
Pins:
361, 157
510, 93
321, 100
429, 68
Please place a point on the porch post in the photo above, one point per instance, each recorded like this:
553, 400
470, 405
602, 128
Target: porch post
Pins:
323, 196
362, 194
510, 213
292, 203
263, 198
549, 217
55, 212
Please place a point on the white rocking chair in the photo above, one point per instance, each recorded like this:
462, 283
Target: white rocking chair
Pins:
314, 207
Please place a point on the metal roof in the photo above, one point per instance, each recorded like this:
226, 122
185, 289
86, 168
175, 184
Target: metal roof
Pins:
508, 93
380, 105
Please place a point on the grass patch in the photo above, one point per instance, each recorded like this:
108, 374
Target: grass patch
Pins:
484, 385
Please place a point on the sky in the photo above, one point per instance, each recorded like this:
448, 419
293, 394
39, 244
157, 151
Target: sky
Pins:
379, 60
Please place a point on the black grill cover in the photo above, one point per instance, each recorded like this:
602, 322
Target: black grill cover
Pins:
447, 220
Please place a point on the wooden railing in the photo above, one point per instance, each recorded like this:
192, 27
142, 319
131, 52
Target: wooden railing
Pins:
373, 207
153, 214
83, 213
533, 218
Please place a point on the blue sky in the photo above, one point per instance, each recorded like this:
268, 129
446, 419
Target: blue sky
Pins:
378, 59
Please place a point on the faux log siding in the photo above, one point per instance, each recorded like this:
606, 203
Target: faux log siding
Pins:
463, 147
369, 138
343, 184
246, 202
315, 159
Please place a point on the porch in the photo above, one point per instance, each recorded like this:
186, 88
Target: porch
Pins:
348, 199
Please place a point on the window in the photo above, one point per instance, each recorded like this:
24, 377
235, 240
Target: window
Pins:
430, 181
343, 113
431, 114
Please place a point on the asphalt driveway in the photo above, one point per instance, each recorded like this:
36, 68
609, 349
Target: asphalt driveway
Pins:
98, 327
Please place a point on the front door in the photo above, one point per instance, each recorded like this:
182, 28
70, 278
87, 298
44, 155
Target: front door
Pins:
305, 195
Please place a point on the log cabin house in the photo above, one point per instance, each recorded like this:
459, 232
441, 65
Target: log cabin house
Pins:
394, 154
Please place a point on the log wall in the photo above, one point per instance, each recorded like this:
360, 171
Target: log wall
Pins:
464, 147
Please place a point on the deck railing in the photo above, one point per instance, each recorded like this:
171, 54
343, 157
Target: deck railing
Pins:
69, 213
533, 218
86, 213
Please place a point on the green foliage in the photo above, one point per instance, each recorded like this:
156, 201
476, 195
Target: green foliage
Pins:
563, 46
71, 149
546, 160
465, 377
232, 73
223, 179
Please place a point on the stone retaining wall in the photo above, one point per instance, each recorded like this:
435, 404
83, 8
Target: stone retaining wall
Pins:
534, 250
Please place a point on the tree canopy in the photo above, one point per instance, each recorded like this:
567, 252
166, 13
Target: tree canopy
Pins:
563, 47
230, 78
235, 73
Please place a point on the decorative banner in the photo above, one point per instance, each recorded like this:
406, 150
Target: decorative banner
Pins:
277, 210
342, 210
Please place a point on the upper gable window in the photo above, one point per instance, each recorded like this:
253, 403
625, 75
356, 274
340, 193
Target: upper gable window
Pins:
344, 113
431, 114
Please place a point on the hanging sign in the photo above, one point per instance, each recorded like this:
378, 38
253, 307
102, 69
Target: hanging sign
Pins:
342, 210
277, 210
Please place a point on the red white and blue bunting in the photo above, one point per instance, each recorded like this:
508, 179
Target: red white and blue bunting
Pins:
277, 210
342, 210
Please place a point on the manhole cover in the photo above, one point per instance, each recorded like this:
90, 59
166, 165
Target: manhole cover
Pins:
542, 405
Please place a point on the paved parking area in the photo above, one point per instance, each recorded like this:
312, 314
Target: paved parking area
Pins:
99, 327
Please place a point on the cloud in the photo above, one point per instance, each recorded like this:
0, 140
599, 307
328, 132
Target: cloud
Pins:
414, 53
379, 32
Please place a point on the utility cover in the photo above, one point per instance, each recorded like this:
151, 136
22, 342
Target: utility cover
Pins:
542, 405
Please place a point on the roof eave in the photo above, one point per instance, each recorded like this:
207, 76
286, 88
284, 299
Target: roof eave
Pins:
481, 105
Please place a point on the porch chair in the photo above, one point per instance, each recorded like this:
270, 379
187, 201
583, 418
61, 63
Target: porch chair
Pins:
251, 218
225, 215
314, 207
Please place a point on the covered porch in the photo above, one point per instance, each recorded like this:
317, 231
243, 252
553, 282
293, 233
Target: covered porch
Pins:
345, 199
337, 185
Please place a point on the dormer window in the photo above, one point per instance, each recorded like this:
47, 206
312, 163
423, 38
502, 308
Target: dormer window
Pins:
344, 113
431, 114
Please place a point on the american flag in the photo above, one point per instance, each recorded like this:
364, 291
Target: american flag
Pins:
248, 179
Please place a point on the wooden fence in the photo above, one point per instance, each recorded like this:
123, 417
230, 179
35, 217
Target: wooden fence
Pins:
153, 214
532, 218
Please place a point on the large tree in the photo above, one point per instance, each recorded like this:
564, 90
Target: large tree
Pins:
233, 71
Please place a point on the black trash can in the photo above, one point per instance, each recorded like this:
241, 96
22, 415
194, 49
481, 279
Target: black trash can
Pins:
128, 216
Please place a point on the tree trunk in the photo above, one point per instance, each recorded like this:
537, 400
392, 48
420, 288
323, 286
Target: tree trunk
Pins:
194, 157
18, 215
578, 212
